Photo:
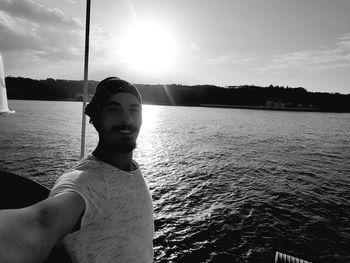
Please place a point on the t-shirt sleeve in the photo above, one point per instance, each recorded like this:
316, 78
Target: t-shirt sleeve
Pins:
88, 186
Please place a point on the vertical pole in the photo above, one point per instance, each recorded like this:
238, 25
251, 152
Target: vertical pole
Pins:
86, 69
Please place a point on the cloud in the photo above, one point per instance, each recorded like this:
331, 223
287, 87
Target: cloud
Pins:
344, 42
17, 35
229, 59
26, 26
34, 12
338, 56
47, 33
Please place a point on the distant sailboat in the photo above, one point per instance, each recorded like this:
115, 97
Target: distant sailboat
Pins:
4, 107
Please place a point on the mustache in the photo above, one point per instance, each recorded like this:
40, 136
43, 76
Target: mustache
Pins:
123, 127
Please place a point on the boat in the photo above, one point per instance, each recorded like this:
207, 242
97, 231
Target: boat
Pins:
4, 107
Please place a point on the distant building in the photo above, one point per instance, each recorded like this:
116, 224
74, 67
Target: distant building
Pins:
273, 104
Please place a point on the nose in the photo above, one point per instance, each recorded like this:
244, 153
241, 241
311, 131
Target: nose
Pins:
125, 117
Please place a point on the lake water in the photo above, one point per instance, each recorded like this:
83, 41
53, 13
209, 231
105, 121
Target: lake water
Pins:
229, 185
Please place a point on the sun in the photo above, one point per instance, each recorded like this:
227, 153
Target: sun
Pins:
148, 47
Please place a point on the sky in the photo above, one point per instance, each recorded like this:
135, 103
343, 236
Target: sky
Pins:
294, 43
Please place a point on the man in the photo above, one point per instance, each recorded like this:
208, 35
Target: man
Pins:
101, 209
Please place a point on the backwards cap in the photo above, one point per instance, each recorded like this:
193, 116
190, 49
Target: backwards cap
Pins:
105, 89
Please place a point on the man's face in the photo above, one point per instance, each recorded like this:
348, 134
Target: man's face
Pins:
120, 122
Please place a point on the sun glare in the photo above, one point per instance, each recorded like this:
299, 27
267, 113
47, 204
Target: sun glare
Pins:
148, 47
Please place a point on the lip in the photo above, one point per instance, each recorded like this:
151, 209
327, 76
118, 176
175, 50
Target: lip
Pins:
125, 132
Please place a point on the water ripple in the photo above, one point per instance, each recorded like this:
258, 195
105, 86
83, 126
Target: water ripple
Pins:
228, 185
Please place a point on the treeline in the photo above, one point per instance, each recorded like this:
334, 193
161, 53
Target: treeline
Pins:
48, 89
245, 96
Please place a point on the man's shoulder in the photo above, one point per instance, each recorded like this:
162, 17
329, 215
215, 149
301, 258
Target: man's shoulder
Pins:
87, 168
86, 164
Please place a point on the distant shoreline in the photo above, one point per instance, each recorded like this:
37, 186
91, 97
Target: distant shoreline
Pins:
245, 107
262, 107
243, 97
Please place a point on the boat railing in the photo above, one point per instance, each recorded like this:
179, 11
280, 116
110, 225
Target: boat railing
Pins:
284, 258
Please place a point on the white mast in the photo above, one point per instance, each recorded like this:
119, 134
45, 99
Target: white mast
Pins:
86, 69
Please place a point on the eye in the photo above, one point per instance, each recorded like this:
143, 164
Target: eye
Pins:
135, 110
112, 109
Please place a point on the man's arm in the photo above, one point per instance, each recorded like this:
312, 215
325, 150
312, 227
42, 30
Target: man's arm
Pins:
29, 234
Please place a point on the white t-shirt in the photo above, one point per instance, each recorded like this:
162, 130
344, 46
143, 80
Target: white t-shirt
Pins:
117, 224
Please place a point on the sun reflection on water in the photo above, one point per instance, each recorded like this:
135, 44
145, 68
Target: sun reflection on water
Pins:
150, 125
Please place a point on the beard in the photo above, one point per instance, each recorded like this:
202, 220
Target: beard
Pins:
122, 147
125, 145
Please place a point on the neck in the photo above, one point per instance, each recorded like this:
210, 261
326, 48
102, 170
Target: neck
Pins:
123, 161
